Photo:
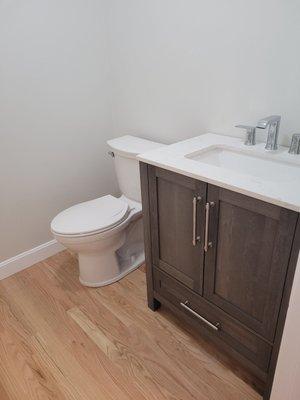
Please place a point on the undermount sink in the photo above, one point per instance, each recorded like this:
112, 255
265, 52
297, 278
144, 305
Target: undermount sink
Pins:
225, 161
256, 165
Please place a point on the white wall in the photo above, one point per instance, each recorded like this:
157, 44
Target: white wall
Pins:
165, 70
54, 114
183, 67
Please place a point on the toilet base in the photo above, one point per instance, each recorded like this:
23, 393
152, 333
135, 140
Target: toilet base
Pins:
124, 268
108, 256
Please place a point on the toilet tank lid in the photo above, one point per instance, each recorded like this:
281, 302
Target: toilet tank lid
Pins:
130, 146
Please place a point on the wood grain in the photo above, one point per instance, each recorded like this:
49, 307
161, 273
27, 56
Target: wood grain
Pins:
153, 304
60, 340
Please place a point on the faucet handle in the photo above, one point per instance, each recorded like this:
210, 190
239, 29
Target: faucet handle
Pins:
250, 134
295, 144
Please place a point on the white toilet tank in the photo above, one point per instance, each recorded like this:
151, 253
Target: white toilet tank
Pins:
125, 149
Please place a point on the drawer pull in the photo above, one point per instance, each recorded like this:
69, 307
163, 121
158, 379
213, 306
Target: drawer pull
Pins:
195, 238
216, 326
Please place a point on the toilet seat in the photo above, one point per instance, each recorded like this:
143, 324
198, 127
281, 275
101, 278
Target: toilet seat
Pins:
91, 217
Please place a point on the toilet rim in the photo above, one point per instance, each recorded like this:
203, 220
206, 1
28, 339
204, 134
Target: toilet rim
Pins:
91, 216
133, 212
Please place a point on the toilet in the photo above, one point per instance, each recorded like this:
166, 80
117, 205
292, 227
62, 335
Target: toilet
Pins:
107, 232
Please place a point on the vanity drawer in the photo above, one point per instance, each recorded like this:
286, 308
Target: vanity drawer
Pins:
213, 321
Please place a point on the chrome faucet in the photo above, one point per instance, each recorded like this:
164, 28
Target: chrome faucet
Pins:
272, 123
250, 139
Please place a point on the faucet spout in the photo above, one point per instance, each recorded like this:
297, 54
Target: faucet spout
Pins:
272, 123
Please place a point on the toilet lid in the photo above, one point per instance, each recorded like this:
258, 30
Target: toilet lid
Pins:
91, 216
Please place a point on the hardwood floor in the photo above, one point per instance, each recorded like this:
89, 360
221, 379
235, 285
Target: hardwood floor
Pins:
60, 340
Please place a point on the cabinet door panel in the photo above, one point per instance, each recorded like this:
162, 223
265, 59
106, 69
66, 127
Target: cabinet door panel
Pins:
245, 268
171, 202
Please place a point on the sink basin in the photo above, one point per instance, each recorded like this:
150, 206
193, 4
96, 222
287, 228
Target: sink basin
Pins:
256, 165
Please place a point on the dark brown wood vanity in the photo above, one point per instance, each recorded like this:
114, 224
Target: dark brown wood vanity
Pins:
222, 261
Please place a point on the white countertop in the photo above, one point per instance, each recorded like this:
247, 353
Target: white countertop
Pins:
281, 192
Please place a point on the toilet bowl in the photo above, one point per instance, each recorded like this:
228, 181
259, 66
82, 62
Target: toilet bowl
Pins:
107, 233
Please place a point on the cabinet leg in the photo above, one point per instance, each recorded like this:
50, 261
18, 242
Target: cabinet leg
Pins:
153, 304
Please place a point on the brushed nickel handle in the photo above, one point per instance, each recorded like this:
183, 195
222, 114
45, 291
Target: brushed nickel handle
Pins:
195, 238
207, 244
215, 327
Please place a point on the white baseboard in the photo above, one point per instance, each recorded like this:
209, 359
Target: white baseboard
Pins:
29, 258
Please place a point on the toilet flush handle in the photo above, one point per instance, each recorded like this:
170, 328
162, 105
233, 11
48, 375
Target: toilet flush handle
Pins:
112, 154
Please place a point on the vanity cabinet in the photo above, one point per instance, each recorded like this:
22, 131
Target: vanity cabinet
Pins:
220, 260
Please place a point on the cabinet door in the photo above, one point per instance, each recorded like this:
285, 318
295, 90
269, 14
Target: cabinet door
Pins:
177, 208
245, 266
